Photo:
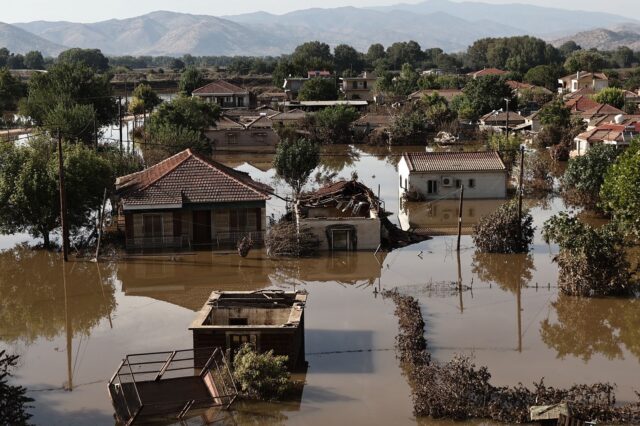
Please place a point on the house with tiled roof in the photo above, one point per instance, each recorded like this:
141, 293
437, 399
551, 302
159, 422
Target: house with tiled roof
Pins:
618, 133
580, 104
501, 120
595, 81
600, 110
441, 175
225, 94
189, 201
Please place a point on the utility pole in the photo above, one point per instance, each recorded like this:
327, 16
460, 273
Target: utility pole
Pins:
63, 202
120, 120
520, 183
507, 101
95, 130
460, 218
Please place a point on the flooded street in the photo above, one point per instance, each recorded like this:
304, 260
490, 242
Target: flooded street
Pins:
72, 324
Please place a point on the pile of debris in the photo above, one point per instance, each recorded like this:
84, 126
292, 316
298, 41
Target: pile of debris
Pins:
460, 390
344, 198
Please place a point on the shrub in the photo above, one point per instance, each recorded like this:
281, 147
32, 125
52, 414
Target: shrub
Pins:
261, 375
590, 259
283, 240
500, 231
585, 174
13, 401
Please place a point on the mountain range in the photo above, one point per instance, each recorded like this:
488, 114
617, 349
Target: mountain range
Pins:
606, 39
433, 23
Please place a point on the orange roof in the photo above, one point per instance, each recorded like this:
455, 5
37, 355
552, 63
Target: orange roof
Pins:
454, 161
188, 178
487, 71
601, 109
220, 87
581, 104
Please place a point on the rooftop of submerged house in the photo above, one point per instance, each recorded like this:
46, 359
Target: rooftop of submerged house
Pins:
254, 309
340, 199
454, 161
188, 178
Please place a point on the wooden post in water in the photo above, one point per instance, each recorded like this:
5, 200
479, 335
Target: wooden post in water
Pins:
63, 202
520, 183
460, 217
460, 282
100, 222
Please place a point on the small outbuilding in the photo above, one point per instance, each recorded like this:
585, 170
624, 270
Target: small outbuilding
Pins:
266, 319
440, 175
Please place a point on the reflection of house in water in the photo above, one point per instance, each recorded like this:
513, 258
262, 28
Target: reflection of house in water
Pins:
268, 320
343, 215
441, 217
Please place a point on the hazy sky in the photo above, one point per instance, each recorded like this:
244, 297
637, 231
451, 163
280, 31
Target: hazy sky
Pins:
93, 10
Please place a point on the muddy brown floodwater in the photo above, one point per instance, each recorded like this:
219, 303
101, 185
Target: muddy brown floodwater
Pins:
72, 324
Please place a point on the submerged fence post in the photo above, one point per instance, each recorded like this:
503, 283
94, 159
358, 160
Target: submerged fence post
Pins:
460, 217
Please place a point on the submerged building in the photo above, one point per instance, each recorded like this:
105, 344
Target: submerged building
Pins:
266, 319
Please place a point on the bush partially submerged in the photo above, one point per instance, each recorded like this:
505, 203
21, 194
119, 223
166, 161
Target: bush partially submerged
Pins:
261, 375
591, 260
283, 240
13, 401
500, 231
460, 390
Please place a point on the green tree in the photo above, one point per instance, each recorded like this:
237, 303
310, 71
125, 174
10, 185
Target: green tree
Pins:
261, 375
620, 192
312, 55
408, 127
375, 53
190, 113
437, 109
405, 52
333, 125
347, 58
463, 108
147, 97
590, 259
623, 57
11, 90
92, 58
318, 89
295, 161
13, 399
69, 83
34, 60
612, 96
585, 174
568, 47
73, 121
555, 114
585, 60
544, 76
190, 79
29, 186
500, 231
488, 93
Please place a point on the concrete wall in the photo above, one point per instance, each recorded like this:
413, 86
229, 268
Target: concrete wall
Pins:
233, 138
487, 184
367, 230
254, 316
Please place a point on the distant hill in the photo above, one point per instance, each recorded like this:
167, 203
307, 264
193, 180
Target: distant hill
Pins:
604, 39
433, 23
533, 20
20, 41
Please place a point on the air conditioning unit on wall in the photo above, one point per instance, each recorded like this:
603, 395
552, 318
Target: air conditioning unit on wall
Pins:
447, 181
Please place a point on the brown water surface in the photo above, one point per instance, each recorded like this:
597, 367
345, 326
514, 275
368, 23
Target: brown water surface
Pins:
72, 324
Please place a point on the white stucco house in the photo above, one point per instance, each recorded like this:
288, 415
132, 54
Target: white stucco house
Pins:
440, 175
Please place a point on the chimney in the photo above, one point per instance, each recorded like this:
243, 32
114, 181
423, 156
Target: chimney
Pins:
578, 77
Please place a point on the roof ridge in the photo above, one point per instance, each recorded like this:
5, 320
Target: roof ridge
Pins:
187, 153
230, 172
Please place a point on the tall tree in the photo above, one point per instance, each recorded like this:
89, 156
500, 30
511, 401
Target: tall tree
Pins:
29, 186
191, 79
34, 60
347, 58
318, 89
11, 90
295, 161
488, 93
65, 85
585, 60
611, 96
92, 58
312, 55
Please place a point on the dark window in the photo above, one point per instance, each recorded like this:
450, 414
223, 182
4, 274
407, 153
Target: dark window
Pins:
364, 84
354, 84
472, 183
238, 321
432, 187
458, 183
152, 225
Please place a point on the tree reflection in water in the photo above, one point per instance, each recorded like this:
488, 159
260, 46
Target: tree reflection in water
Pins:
510, 271
587, 327
36, 301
